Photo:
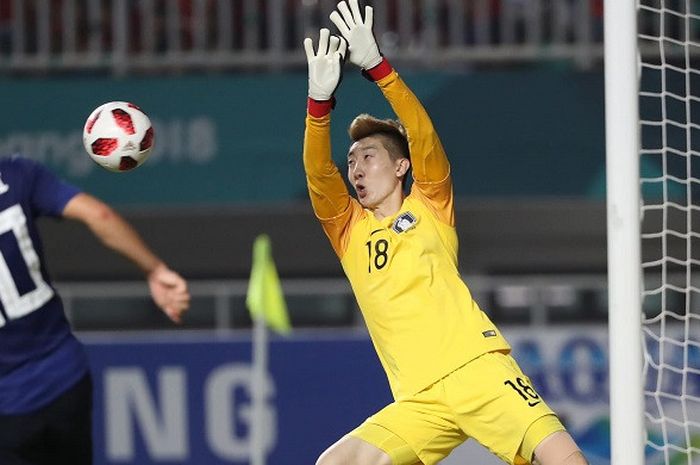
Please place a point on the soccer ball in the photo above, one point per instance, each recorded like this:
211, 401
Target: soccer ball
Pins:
118, 136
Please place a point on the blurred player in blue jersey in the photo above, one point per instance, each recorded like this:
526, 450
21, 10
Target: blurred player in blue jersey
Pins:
45, 385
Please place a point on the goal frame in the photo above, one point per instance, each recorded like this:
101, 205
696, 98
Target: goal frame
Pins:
623, 228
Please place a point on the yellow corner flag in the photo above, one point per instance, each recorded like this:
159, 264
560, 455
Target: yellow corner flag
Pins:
265, 298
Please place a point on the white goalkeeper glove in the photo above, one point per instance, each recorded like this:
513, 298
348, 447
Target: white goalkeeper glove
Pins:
364, 51
325, 66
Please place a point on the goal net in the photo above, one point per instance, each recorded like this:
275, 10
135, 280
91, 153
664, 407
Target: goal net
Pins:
668, 40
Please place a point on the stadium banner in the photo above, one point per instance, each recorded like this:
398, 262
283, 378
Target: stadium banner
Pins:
187, 401
237, 138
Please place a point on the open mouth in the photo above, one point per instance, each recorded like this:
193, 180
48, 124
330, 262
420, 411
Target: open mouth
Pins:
361, 190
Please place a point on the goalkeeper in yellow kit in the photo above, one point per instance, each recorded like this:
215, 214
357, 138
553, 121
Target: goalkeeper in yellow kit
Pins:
448, 366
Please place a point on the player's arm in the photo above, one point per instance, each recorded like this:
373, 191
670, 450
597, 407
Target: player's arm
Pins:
428, 158
329, 195
168, 289
431, 169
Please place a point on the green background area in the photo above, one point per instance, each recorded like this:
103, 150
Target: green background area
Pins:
526, 133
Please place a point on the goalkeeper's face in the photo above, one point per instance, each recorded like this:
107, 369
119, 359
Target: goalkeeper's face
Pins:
375, 174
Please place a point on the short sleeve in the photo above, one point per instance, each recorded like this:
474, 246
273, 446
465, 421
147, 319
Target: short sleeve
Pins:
49, 194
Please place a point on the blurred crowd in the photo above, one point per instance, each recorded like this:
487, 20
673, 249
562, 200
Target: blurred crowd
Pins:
80, 25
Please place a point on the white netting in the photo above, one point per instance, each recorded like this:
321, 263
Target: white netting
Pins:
669, 44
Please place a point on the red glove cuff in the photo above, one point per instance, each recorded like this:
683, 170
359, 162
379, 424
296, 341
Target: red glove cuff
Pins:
380, 71
320, 108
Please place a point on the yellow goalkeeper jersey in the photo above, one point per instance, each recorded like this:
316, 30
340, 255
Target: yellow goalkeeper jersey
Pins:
403, 269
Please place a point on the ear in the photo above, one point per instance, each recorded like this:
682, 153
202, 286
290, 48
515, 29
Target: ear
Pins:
402, 166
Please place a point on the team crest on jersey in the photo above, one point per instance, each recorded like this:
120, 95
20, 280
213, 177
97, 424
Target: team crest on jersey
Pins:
404, 222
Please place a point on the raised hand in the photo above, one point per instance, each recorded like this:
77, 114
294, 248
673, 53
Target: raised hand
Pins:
326, 65
364, 51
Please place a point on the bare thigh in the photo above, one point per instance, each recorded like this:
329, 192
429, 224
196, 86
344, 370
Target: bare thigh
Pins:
353, 451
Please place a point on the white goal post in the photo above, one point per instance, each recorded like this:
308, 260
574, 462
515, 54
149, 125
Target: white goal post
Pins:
652, 111
623, 227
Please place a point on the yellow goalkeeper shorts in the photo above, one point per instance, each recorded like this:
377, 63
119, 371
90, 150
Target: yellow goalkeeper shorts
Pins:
489, 399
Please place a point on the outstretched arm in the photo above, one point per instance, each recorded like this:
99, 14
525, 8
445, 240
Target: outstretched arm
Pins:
329, 196
168, 289
427, 155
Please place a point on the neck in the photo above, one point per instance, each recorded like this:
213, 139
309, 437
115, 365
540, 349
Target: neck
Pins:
390, 206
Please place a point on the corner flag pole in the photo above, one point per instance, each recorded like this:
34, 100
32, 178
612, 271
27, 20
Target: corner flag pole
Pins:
259, 426
267, 307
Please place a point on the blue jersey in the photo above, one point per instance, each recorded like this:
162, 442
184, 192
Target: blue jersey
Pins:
39, 356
